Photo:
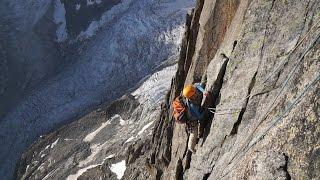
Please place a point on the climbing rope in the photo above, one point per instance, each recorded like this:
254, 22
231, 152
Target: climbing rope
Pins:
276, 120
285, 83
291, 51
234, 111
304, 37
288, 53
227, 112
223, 111
283, 86
277, 96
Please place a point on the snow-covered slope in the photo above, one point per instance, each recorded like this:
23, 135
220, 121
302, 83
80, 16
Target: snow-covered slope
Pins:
64, 80
100, 139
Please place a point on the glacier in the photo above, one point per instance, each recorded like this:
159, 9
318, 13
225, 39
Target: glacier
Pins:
111, 56
102, 137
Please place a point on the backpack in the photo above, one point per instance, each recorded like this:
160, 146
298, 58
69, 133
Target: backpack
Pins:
180, 110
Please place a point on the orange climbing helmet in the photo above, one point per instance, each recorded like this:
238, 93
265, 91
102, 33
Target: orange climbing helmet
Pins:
189, 91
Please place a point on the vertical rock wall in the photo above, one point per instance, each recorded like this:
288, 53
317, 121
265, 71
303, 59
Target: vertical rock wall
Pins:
262, 63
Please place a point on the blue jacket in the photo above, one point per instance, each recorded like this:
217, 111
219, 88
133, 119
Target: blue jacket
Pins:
195, 111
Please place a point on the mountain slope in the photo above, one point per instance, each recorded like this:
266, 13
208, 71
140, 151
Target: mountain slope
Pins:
53, 74
99, 139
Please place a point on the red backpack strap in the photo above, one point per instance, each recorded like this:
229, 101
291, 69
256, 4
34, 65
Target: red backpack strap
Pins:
179, 110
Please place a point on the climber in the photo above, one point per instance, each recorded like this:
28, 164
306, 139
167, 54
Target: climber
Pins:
189, 109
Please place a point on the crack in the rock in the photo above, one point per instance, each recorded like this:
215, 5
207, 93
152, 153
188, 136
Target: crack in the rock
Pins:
234, 45
263, 92
216, 94
206, 176
236, 125
186, 148
187, 154
285, 167
179, 172
188, 160
224, 139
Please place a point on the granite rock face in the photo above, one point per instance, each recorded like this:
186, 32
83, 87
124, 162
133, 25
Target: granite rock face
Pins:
261, 59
